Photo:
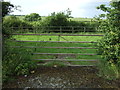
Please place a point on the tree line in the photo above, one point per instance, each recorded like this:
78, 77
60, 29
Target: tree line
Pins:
34, 20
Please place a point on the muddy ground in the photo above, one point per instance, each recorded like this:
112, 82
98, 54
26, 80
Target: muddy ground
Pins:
63, 77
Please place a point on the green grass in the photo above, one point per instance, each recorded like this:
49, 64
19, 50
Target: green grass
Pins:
80, 19
55, 38
73, 19
51, 50
55, 64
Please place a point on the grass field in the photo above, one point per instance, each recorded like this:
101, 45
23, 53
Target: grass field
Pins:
73, 19
60, 50
80, 19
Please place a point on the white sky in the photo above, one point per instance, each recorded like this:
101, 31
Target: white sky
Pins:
79, 8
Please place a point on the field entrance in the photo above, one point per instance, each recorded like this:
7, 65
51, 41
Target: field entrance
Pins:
60, 46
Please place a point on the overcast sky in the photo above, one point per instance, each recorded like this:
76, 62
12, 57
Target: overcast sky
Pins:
79, 8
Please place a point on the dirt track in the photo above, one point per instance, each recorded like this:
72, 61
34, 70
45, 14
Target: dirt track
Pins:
63, 77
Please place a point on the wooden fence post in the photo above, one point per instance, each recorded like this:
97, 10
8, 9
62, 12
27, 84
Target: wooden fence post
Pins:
72, 29
84, 29
58, 37
60, 29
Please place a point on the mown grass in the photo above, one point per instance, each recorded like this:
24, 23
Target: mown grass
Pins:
53, 50
73, 19
80, 19
56, 38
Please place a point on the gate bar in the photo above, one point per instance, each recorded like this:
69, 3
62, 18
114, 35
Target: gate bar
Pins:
63, 54
57, 34
65, 60
58, 41
54, 47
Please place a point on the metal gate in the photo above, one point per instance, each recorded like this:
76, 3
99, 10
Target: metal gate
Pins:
62, 42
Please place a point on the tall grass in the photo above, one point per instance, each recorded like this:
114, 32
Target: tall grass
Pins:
16, 61
108, 70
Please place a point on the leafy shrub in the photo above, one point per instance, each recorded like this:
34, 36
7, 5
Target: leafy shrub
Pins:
57, 19
32, 17
24, 68
60, 22
15, 24
71, 26
109, 45
16, 61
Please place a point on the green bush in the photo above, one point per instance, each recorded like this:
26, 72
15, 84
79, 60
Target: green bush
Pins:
32, 17
16, 61
109, 45
75, 26
60, 21
57, 19
14, 24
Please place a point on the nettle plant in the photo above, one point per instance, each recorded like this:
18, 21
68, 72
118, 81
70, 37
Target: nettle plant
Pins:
109, 45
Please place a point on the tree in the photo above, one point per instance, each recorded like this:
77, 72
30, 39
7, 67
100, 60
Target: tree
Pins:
68, 11
32, 17
57, 19
6, 8
109, 46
